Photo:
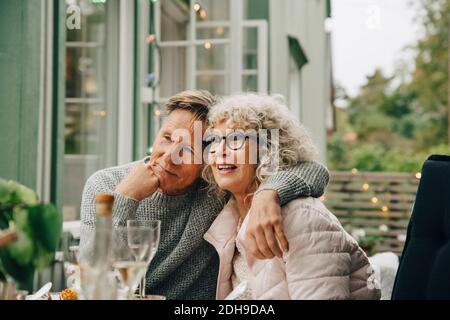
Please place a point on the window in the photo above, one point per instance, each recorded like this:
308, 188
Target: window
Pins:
201, 45
90, 103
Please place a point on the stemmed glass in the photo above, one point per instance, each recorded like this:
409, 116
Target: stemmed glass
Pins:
143, 239
127, 264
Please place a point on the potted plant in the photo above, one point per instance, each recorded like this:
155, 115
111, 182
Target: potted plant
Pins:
36, 228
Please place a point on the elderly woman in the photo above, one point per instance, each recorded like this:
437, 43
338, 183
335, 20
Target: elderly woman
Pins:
323, 261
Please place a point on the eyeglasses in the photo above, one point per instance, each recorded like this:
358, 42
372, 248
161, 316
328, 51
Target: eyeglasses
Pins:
234, 140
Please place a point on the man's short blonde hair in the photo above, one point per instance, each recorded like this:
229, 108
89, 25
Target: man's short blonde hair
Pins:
198, 102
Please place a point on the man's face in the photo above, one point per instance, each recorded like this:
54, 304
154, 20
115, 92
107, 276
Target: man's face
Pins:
174, 153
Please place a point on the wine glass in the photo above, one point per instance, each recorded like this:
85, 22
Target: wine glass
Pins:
127, 264
138, 240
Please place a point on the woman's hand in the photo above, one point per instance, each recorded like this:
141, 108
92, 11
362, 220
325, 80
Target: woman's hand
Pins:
265, 228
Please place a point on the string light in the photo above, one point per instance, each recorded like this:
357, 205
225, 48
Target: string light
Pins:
197, 6
374, 199
220, 30
365, 186
157, 112
202, 13
99, 114
354, 171
150, 77
151, 38
207, 45
418, 175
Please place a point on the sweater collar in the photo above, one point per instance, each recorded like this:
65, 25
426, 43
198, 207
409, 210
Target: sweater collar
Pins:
173, 201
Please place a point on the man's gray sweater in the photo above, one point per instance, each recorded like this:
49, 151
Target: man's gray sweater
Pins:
185, 265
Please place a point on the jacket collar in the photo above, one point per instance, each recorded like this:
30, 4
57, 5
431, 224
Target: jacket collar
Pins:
241, 239
224, 227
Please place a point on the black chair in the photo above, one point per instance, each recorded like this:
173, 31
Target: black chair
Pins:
424, 269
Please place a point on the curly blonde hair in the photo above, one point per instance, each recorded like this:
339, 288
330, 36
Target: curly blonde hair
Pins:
252, 111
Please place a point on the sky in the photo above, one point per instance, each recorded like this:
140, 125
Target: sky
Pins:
367, 34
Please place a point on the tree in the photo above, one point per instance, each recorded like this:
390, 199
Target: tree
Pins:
398, 126
429, 82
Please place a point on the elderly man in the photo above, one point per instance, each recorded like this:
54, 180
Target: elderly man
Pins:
185, 265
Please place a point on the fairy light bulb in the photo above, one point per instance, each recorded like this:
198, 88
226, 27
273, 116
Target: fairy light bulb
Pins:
202, 13
150, 77
151, 38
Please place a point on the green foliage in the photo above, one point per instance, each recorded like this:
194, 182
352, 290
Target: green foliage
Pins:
336, 153
368, 243
396, 125
430, 78
368, 157
38, 227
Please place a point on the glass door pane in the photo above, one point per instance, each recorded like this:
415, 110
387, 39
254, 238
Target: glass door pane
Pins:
255, 56
91, 101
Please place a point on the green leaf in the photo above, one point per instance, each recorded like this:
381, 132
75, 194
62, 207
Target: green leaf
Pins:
23, 275
21, 220
22, 194
22, 249
43, 257
46, 225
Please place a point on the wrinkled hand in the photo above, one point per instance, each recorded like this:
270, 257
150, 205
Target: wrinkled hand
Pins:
265, 226
140, 183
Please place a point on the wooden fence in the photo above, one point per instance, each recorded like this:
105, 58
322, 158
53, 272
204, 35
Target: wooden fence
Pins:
377, 202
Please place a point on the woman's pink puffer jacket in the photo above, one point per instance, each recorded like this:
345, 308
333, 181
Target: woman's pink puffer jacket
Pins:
323, 261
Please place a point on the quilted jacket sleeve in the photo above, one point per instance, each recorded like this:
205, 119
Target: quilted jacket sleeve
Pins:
319, 261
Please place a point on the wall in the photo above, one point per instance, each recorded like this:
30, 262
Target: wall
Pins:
20, 48
303, 19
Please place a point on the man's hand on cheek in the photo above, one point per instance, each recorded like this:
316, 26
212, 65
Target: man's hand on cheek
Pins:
265, 228
140, 183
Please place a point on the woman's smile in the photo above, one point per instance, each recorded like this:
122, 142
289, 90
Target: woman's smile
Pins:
226, 168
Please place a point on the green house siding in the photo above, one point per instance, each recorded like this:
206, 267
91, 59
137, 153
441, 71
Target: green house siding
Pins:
258, 9
20, 53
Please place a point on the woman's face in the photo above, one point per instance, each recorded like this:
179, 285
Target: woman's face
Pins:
232, 169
